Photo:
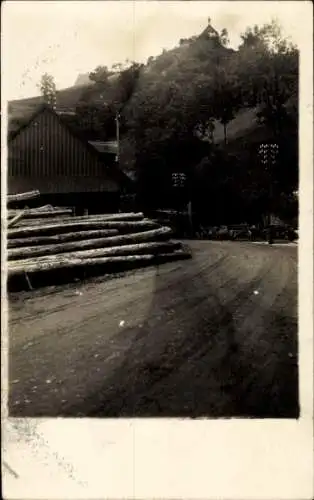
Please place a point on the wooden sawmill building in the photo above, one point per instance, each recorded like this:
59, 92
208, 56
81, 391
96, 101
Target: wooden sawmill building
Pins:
45, 154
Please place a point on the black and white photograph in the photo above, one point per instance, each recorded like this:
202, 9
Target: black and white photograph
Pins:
152, 210
153, 226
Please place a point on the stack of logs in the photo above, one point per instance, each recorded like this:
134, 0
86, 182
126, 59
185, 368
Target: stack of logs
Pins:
45, 239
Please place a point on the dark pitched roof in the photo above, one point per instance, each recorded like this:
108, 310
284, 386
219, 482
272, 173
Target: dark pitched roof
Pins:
24, 125
113, 170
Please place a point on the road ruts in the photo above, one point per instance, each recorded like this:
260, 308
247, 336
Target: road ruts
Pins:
212, 337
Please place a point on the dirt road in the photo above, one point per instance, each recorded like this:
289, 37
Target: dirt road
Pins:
215, 336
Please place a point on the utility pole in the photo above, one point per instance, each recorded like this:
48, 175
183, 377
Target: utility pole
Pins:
180, 182
190, 215
117, 120
269, 154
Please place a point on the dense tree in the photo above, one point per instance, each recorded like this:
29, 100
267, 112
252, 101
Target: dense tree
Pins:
100, 74
126, 85
224, 37
171, 109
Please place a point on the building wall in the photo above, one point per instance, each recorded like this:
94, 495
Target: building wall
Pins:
47, 157
61, 184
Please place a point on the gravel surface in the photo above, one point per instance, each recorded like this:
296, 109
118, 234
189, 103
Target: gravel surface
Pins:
215, 336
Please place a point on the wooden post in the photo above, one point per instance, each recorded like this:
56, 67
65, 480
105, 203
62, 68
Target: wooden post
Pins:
28, 281
190, 215
118, 136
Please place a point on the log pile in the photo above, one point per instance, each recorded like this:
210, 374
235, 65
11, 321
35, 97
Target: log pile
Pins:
22, 197
49, 240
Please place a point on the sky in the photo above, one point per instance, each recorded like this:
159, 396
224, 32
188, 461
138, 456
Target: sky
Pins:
66, 38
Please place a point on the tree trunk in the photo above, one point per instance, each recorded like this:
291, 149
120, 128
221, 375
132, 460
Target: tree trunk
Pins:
100, 261
59, 238
29, 195
34, 213
81, 225
131, 217
24, 252
15, 220
47, 207
225, 133
153, 248
128, 216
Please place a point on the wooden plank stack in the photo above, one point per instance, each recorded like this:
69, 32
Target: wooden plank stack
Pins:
49, 240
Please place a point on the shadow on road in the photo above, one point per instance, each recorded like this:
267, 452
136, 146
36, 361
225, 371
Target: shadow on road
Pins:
266, 382
197, 343
194, 363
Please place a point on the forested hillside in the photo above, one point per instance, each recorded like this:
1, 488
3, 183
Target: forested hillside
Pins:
203, 109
